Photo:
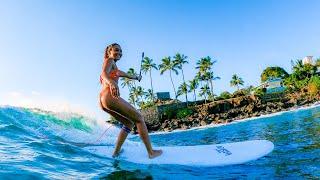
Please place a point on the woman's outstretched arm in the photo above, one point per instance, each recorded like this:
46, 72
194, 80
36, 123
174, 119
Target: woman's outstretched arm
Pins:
123, 74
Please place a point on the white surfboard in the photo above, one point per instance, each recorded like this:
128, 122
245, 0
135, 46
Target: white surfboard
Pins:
200, 155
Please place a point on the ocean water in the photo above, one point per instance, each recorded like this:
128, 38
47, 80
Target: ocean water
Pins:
37, 144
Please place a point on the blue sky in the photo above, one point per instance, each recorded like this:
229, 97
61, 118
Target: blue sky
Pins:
51, 51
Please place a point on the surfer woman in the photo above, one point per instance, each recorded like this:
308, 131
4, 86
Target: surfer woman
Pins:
112, 103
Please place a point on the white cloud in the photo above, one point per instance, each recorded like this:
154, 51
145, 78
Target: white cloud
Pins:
35, 93
14, 94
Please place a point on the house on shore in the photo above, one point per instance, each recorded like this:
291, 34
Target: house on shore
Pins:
273, 85
309, 60
273, 89
163, 95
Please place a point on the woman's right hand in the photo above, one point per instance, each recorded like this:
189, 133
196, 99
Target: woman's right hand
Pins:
114, 89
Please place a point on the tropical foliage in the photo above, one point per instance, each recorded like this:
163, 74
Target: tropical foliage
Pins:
147, 66
224, 95
179, 60
185, 112
193, 85
169, 65
205, 73
273, 72
314, 85
236, 81
301, 75
304, 77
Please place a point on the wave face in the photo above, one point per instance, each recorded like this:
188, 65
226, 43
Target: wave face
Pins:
38, 143
41, 144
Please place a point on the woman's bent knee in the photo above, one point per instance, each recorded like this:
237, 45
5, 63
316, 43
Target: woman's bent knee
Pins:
139, 118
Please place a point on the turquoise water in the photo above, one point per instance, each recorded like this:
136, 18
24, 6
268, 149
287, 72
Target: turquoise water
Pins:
39, 144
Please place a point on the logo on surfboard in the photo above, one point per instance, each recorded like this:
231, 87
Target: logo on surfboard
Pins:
221, 149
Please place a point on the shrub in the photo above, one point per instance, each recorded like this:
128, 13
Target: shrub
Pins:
169, 113
273, 72
225, 95
260, 92
294, 84
147, 105
239, 93
314, 85
182, 113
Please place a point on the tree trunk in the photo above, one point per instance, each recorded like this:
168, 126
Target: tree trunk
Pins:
184, 83
151, 87
173, 86
211, 87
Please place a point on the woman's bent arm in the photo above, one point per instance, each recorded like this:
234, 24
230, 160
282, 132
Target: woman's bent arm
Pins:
106, 68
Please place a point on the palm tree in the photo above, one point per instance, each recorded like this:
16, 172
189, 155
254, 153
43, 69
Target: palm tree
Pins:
301, 71
211, 96
183, 89
210, 77
131, 71
132, 98
131, 86
148, 65
180, 59
126, 82
236, 81
140, 93
149, 95
204, 91
297, 65
318, 62
193, 85
168, 65
205, 74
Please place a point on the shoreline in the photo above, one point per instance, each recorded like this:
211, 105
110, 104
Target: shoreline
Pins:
299, 108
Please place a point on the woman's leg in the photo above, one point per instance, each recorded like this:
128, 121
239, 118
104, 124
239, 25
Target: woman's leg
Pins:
126, 110
123, 133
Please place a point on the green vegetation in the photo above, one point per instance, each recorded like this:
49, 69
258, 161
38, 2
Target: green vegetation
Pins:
147, 66
185, 112
169, 65
303, 78
273, 72
314, 85
169, 113
224, 95
318, 62
183, 89
179, 60
236, 81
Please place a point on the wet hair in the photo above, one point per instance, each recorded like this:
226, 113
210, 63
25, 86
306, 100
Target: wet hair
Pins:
108, 49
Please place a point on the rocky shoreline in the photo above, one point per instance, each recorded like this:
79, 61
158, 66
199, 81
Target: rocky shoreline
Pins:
226, 111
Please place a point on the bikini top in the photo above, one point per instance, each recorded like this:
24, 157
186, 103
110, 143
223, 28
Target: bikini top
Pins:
114, 74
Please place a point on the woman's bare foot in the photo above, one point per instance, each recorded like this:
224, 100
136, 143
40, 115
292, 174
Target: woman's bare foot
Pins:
116, 154
155, 153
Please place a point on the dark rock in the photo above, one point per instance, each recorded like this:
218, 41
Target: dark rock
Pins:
203, 123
